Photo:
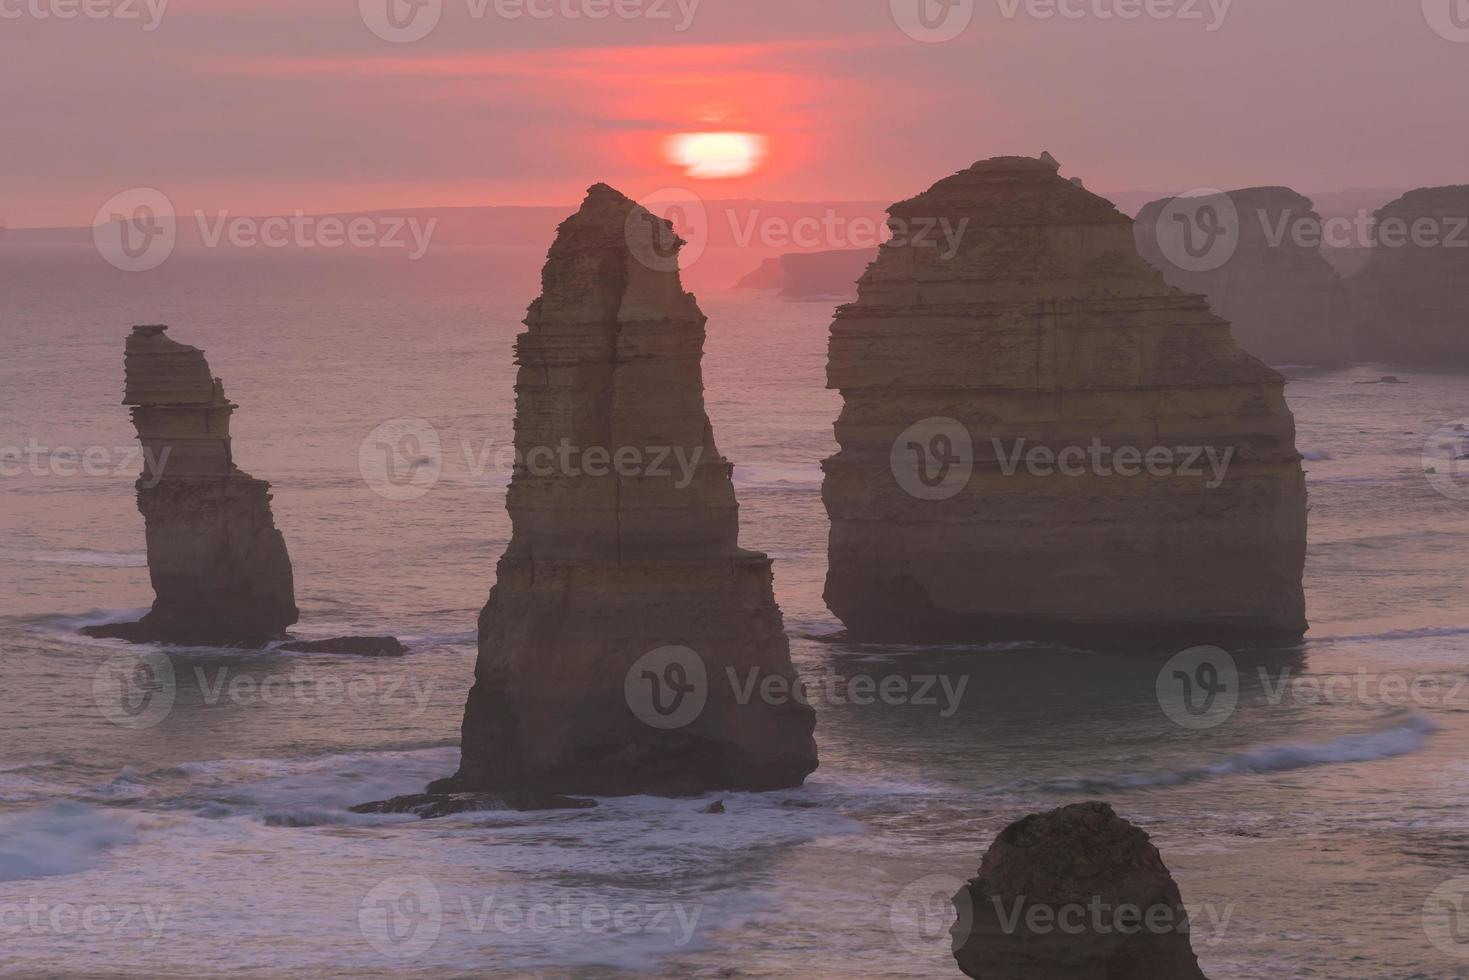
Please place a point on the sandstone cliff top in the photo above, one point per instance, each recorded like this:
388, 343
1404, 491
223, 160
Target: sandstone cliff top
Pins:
1011, 190
1444, 202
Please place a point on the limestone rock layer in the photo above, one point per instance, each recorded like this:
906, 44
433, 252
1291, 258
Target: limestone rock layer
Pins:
1284, 301
1046, 332
1074, 894
218, 564
609, 564
1413, 296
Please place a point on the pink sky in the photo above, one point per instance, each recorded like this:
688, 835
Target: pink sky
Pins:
269, 106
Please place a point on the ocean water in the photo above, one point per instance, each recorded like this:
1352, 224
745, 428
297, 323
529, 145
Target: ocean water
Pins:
1322, 830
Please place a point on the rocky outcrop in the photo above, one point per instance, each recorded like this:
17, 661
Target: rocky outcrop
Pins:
1042, 440
431, 806
770, 274
625, 619
824, 275
356, 646
219, 567
1413, 297
1074, 894
1283, 299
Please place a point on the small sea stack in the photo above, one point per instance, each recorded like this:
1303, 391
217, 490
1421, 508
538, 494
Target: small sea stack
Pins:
625, 622
1074, 894
218, 564
1412, 299
1041, 440
1258, 259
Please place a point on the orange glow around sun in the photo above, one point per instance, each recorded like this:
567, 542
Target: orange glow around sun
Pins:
710, 156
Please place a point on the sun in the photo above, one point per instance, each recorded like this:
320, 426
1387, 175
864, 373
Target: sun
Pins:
710, 156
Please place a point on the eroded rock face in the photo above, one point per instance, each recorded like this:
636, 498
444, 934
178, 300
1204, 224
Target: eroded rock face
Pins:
1085, 868
1000, 409
218, 564
624, 611
1413, 297
1284, 301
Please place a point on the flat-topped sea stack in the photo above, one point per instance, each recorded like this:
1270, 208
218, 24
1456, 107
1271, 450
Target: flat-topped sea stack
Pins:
218, 564
1413, 297
1042, 440
625, 619
1284, 300
1074, 894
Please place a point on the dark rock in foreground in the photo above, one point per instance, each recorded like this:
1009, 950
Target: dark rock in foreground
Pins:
357, 646
1074, 894
218, 564
427, 806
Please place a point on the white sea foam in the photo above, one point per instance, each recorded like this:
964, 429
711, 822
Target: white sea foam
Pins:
1405, 738
56, 840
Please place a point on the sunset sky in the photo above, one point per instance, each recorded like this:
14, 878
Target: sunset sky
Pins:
265, 106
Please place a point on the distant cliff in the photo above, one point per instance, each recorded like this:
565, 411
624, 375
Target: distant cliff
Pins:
1284, 300
1413, 297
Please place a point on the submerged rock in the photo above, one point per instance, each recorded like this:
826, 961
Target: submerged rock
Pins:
357, 646
1074, 894
1284, 301
218, 564
624, 612
1413, 297
428, 806
1041, 440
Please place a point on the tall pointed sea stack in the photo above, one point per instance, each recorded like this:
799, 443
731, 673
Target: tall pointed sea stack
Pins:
1413, 297
219, 566
625, 619
1285, 302
1041, 440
